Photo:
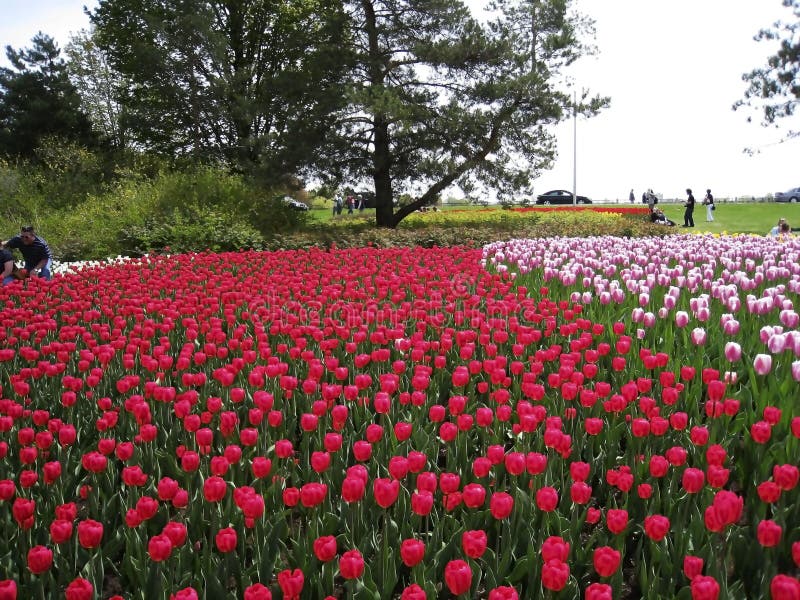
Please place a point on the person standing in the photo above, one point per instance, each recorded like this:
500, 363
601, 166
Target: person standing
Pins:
688, 218
34, 250
708, 202
651, 200
632, 197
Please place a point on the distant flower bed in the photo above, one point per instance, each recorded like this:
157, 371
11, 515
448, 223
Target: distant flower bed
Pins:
623, 210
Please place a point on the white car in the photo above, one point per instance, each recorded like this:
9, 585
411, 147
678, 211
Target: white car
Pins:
292, 203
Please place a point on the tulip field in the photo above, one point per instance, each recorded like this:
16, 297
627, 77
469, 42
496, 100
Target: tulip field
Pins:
587, 418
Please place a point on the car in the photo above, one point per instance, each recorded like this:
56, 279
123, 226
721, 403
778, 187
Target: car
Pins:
560, 197
793, 195
290, 202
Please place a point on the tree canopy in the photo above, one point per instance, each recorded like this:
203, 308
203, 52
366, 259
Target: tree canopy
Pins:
99, 86
247, 82
438, 97
774, 89
37, 100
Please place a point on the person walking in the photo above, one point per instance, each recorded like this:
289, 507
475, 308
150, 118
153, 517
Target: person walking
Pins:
688, 218
632, 197
708, 202
34, 250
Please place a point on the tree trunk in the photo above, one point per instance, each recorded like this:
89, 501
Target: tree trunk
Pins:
384, 208
381, 156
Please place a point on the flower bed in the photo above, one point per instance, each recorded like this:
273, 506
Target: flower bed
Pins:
619, 210
582, 418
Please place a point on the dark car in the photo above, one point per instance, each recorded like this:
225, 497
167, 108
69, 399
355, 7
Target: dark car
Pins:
560, 197
792, 195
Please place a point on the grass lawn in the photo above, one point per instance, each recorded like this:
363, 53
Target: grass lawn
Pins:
756, 217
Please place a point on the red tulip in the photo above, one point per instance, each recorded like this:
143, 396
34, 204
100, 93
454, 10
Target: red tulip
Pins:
8, 589
412, 552
786, 476
187, 593
261, 467
606, 561
580, 492
555, 547
214, 489
728, 507
353, 489
458, 577
555, 575
693, 480
325, 548
616, 520
449, 482
226, 540
598, 591
656, 527
313, 494
692, 566
60, 531
40, 559
146, 507
503, 592
90, 533
769, 533
500, 505
422, 502
783, 587
385, 491
413, 592
257, 591
291, 583
704, 587
159, 547
547, 499
351, 564
474, 543
79, 589
474, 495
176, 532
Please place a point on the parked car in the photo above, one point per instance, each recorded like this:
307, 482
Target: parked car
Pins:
293, 204
793, 195
560, 197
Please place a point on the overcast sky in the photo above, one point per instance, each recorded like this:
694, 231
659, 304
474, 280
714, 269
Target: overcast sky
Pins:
672, 71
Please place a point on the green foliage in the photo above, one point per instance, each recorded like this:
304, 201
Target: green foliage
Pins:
38, 100
774, 88
202, 228
248, 83
99, 87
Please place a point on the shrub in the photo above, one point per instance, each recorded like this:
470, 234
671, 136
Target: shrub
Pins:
192, 230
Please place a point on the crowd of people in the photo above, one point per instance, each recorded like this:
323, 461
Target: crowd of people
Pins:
351, 202
657, 215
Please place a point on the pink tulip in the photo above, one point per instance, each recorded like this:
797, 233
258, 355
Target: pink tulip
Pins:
762, 364
733, 352
698, 336
681, 318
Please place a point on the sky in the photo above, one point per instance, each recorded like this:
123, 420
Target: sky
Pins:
672, 70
